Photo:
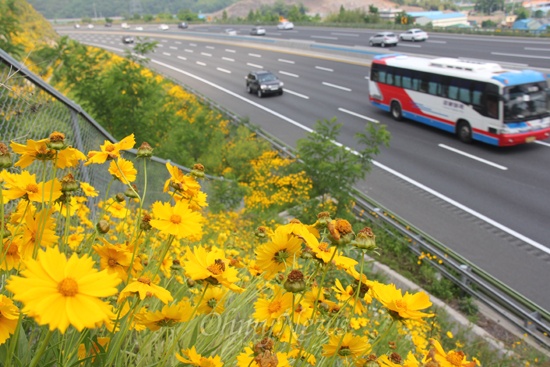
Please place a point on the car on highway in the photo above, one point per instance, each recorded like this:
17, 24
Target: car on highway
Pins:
258, 31
163, 27
90, 26
108, 24
384, 39
127, 39
183, 25
77, 25
125, 26
139, 28
263, 82
414, 35
285, 25
231, 32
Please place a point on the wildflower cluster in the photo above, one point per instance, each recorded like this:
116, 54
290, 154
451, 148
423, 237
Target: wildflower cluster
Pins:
162, 285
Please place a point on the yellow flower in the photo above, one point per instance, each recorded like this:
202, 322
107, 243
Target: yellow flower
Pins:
115, 258
60, 292
24, 185
347, 345
447, 359
167, 317
195, 359
38, 226
110, 150
179, 221
248, 359
283, 250
123, 170
96, 347
116, 209
38, 150
348, 295
211, 266
269, 310
9, 318
144, 287
88, 189
11, 253
213, 300
186, 186
401, 306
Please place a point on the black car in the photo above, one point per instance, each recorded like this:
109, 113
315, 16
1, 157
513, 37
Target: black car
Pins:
182, 25
127, 39
263, 82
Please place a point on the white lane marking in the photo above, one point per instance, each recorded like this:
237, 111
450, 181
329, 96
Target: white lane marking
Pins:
376, 163
324, 69
542, 143
160, 45
537, 49
182, 58
173, 47
164, 41
296, 94
230, 50
289, 74
336, 86
345, 34
431, 41
228, 59
518, 55
254, 55
206, 54
178, 43
211, 47
358, 115
325, 37
201, 63
473, 157
408, 45
166, 53
287, 61
224, 70
188, 50
254, 65
193, 44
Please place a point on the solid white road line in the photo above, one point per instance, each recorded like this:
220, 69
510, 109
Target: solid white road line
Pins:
324, 69
296, 94
286, 61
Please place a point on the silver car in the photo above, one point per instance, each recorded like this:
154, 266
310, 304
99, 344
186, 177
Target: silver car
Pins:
384, 39
413, 35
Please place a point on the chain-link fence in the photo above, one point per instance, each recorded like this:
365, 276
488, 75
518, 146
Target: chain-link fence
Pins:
32, 109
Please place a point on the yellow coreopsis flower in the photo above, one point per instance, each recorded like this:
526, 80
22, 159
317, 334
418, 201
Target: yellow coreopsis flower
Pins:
123, 170
39, 226
60, 292
24, 185
348, 296
169, 316
38, 150
115, 258
446, 359
178, 220
269, 310
11, 253
144, 287
248, 359
212, 301
185, 185
192, 358
110, 150
9, 318
283, 250
347, 345
88, 189
402, 306
211, 266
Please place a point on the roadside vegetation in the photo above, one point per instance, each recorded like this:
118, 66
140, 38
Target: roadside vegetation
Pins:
214, 281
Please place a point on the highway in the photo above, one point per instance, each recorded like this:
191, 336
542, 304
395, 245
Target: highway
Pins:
489, 204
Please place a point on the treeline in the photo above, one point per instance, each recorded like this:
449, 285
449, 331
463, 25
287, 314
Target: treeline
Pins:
56, 9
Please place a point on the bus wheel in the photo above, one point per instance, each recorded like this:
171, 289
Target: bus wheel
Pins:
396, 111
464, 131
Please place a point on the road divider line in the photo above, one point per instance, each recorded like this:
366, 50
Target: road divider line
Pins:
286, 61
255, 65
173, 47
228, 59
289, 74
224, 70
182, 58
254, 55
296, 94
201, 63
167, 54
358, 115
188, 50
211, 47
336, 86
542, 143
471, 156
324, 69
325, 37
230, 50
518, 55
345, 34
206, 54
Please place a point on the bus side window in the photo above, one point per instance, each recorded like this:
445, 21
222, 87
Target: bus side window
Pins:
453, 92
407, 82
389, 78
492, 106
375, 76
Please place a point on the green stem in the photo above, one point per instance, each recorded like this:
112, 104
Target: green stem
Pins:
40, 351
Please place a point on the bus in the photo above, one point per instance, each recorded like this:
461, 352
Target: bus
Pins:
475, 100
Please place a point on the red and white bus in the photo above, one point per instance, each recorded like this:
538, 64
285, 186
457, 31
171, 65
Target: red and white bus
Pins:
474, 100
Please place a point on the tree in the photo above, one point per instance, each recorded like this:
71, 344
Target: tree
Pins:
333, 168
9, 27
489, 6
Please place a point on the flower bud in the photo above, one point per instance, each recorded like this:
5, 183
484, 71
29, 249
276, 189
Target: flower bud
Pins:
120, 197
145, 151
323, 219
197, 171
365, 239
56, 141
68, 183
261, 232
295, 282
5, 156
103, 226
190, 282
132, 194
145, 222
340, 232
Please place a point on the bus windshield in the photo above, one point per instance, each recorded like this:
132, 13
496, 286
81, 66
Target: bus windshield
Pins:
526, 101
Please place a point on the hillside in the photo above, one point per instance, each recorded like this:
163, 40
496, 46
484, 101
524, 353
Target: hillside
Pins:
321, 7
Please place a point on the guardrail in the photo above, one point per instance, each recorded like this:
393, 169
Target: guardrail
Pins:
520, 311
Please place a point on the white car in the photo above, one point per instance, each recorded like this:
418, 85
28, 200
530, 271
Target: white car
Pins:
139, 28
258, 31
285, 25
90, 26
231, 32
383, 39
125, 26
414, 35
163, 27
